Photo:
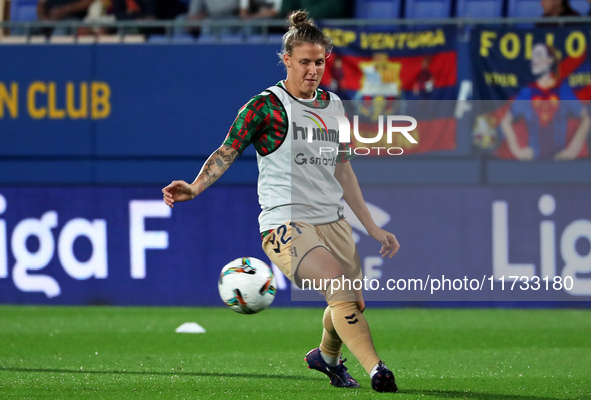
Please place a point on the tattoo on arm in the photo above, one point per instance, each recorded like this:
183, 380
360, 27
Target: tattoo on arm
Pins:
215, 166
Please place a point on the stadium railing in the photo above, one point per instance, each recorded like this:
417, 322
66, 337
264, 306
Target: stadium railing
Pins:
252, 31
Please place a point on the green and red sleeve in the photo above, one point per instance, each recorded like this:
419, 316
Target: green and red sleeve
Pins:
261, 122
252, 121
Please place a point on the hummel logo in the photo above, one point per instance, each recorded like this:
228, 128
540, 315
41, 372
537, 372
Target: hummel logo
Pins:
351, 317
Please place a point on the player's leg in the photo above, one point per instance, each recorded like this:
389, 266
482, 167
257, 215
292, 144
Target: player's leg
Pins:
321, 267
284, 254
326, 358
306, 244
338, 237
331, 343
344, 318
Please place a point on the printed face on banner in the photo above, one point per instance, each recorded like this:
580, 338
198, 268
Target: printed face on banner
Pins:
534, 85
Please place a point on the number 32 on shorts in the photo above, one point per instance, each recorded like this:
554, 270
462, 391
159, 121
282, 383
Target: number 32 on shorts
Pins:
278, 236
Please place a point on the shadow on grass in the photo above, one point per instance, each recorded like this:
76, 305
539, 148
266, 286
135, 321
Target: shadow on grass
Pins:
180, 373
456, 394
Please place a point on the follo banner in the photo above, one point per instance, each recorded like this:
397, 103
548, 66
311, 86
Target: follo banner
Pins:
535, 85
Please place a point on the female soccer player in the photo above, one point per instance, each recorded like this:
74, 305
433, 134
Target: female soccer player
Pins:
303, 174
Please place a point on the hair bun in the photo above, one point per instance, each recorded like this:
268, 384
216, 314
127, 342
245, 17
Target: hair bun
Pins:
303, 31
299, 19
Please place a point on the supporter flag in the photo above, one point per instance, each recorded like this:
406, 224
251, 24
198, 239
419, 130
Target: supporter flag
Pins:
397, 72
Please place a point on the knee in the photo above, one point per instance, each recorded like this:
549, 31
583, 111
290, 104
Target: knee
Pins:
339, 289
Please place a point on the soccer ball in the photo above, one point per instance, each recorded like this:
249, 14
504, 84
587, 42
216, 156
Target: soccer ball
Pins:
247, 285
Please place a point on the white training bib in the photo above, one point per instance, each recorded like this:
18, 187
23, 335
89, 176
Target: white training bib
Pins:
296, 181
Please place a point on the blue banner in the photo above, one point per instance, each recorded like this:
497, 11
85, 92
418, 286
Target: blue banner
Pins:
123, 246
536, 83
505, 61
126, 100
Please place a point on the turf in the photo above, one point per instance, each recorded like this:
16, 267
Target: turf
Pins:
120, 353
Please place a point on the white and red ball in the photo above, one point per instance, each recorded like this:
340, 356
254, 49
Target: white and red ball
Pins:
247, 285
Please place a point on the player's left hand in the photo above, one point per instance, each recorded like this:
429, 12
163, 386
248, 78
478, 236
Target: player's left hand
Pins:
389, 242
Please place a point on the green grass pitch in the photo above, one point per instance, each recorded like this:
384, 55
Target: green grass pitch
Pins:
134, 353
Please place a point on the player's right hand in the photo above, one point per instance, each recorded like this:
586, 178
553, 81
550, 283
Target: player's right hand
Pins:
390, 245
177, 191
